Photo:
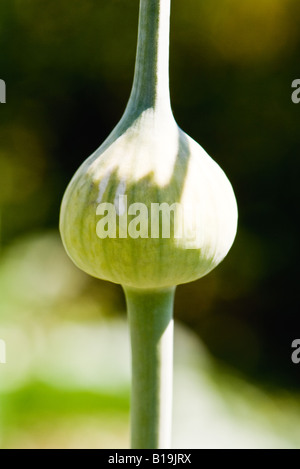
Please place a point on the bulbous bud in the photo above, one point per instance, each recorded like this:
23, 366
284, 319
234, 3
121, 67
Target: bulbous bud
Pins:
150, 208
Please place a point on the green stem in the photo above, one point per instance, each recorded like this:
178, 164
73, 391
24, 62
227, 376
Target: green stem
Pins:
150, 315
151, 77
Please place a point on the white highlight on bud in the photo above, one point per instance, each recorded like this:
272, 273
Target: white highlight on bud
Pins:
102, 187
119, 199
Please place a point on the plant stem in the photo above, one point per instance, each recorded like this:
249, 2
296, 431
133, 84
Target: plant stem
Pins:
150, 315
151, 77
151, 312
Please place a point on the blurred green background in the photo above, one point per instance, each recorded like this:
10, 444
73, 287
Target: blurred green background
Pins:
68, 68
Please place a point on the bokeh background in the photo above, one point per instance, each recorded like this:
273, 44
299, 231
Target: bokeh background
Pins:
68, 67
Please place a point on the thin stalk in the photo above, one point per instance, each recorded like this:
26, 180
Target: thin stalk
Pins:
151, 77
150, 315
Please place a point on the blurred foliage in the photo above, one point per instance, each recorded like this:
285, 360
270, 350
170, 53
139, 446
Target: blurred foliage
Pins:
66, 383
68, 70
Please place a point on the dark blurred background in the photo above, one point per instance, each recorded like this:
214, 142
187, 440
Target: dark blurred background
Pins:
68, 68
